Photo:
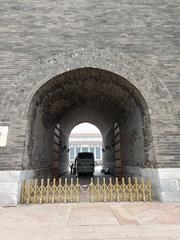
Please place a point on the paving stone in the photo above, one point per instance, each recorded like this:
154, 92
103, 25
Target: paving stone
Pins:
59, 221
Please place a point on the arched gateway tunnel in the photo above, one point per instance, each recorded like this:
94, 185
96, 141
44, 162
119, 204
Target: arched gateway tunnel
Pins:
130, 105
93, 95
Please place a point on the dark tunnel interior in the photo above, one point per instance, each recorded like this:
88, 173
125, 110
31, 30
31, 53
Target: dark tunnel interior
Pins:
92, 95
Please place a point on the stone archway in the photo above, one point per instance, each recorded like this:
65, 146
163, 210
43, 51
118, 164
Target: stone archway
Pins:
160, 106
95, 95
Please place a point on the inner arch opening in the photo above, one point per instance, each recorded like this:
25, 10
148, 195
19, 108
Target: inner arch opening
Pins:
92, 95
85, 137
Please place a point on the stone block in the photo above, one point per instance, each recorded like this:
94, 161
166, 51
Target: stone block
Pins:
169, 185
9, 200
169, 173
13, 176
10, 188
170, 196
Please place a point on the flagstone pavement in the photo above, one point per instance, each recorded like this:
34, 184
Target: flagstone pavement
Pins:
90, 221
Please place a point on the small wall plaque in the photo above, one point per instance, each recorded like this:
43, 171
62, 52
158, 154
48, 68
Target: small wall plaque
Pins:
3, 135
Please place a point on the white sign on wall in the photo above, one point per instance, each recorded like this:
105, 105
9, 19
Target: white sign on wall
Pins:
3, 135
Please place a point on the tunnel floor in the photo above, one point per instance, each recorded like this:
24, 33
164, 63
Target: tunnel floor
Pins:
85, 179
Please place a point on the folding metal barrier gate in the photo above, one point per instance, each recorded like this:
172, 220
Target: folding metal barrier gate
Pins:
99, 190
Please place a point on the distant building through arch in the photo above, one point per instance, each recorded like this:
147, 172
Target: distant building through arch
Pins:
85, 139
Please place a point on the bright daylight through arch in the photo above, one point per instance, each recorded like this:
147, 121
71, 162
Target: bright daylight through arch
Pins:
86, 137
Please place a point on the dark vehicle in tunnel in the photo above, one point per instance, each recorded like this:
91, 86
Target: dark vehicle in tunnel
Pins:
85, 163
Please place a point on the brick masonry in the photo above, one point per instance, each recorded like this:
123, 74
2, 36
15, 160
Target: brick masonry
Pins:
164, 123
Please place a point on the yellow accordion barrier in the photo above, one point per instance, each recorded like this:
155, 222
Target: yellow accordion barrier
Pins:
98, 190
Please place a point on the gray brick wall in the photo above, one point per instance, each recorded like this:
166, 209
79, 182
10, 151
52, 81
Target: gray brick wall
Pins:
33, 31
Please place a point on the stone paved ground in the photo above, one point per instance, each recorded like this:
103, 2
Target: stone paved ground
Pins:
132, 221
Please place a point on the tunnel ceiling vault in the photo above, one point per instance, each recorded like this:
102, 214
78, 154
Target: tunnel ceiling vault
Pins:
107, 92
